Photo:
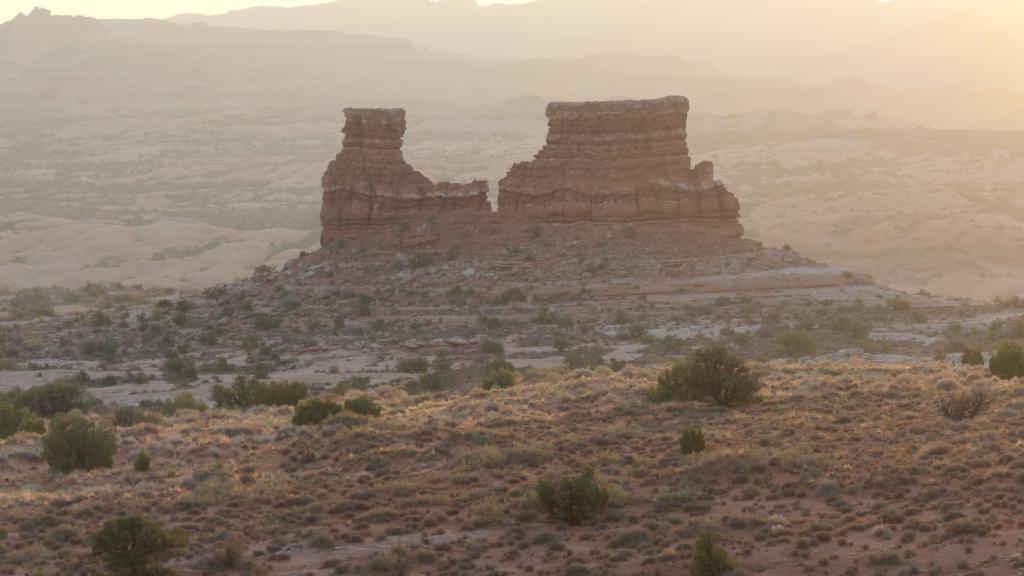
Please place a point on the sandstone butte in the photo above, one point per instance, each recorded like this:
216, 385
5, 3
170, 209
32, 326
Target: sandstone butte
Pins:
616, 161
369, 182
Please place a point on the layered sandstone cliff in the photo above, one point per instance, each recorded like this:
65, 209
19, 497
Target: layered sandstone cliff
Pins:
618, 161
370, 182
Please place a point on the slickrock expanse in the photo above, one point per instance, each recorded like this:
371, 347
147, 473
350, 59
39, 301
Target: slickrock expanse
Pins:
371, 183
618, 161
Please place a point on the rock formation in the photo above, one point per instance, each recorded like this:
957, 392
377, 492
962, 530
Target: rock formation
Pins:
370, 182
618, 161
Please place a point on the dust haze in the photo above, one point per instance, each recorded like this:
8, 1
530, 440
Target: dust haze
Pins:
546, 287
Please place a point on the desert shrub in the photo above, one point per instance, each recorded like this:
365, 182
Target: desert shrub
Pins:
795, 345
1007, 362
74, 442
52, 398
850, 327
691, 440
135, 546
141, 462
29, 304
218, 366
363, 405
179, 370
249, 392
99, 349
314, 411
352, 383
573, 499
589, 357
417, 365
710, 559
182, 401
10, 420
712, 373
128, 416
492, 347
964, 404
898, 304
499, 374
14, 420
30, 422
972, 357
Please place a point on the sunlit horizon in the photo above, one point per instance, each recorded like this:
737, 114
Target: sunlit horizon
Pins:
132, 9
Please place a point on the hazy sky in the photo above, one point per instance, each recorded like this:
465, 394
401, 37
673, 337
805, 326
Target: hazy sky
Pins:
152, 8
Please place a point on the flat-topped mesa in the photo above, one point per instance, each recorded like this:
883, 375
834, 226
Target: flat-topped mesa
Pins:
618, 161
370, 182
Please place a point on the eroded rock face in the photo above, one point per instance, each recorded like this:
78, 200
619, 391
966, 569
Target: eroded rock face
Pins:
370, 182
618, 161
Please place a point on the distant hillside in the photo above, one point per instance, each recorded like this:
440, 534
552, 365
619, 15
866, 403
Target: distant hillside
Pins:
80, 64
901, 43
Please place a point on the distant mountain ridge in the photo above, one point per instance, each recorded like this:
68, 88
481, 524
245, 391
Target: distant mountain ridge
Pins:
73, 63
911, 43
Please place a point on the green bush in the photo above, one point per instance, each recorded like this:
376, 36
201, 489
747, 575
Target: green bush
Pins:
710, 559
74, 442
52, 398
141, 462
10, 420
713, 374
249, 392
573, 499
972, 357
499, 374
795, 345
691, 441
314, 411
1007, 362
31, 423
135, 546
363, 405
179, 370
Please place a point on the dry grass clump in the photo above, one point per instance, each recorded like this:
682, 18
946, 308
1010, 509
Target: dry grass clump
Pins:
964, 404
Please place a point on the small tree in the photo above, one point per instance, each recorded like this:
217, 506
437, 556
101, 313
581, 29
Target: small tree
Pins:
314, 411
691, 441
74, 442
713, 373
1008, 362
135, 546
499, 374
709, 559
573, 499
